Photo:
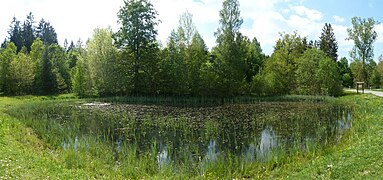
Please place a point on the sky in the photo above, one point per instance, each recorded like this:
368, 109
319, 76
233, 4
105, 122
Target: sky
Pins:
263, 19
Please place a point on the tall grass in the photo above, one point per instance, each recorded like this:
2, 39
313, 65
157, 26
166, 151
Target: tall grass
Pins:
137, 145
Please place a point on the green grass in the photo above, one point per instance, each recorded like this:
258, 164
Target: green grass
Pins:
24, 155
358, 156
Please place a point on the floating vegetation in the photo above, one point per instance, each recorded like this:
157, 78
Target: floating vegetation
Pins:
192, 139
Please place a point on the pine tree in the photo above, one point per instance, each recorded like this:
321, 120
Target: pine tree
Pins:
15, 34
28, 32
46, 32
328, 43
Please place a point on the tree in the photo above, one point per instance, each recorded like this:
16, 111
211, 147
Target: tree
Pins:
7, 55
328, 42
82, 82
52, 70
180, 64
198, 56
230, 64
46, 32
280, 68
22, 73
357, 71
28, 31
376, 79
15, 34
71, 46
317, 74
187, 28
329, 78
60, 68
137, 35
363, 34
4, 44
345, 72
46, 76
379, 69
105, 69
307, 65
173, 66
254, 59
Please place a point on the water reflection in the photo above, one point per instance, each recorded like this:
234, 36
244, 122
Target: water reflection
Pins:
71, 143
206, 135
250, 153
343, 125
211, 154
267, 143
163, 158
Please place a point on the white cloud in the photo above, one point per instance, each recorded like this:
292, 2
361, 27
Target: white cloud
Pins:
311, 14
344, 46
269, 22
379, 31
338, 19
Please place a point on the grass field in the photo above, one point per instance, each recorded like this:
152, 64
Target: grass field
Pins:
24, 155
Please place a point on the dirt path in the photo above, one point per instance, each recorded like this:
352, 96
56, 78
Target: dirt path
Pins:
376, 93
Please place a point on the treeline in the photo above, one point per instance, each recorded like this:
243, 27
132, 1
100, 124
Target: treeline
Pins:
132, 61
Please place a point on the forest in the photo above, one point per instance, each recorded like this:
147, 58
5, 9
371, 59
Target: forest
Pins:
132, 61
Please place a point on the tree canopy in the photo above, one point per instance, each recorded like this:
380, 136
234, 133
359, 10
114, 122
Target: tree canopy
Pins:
131, 61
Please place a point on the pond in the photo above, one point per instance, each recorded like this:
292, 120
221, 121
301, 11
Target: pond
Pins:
256, 132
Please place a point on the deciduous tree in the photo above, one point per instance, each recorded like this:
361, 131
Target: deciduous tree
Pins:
230, 64
363, 34
137, 35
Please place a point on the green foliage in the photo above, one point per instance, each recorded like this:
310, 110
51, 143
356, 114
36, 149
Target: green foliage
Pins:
328, 42
46, 32
101, 71
173, 67
276, 76
376, 79
363, 34
379, 70
7, 56
308, 65
357, 71
137, 35
317, 74
345, 72
131, 61
28, 31
15, 34
82, 82
22, 73
52, 70
197, 58
230, 54
182, 60
280, 68
329, 78
255, 59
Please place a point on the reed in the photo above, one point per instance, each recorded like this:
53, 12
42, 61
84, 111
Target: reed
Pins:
184, 137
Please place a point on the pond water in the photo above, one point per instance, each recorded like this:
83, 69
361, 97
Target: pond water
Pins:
251, 132
254, 132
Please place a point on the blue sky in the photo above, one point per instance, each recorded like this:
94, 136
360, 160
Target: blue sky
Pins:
264, 19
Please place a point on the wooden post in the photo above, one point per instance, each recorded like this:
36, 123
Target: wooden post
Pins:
361, 85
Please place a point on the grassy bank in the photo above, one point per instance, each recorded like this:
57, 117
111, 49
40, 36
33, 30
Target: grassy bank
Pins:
24, 155
358, 156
